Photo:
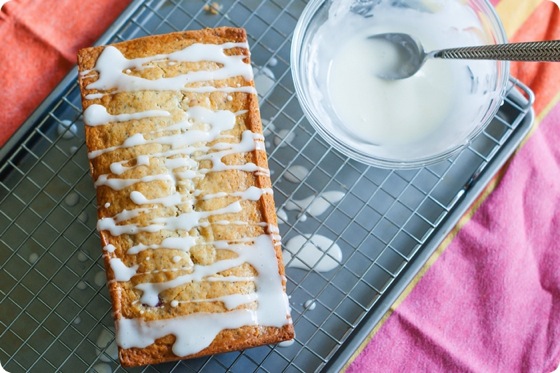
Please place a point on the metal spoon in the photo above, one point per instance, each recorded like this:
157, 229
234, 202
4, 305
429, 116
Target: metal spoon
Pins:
412, 55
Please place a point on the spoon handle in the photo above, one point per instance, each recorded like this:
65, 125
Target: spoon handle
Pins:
528, 51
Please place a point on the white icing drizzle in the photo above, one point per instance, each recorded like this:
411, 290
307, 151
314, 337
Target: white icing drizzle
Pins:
210, 89
111, 66
187, 267
151, 290
109, 248
121, 271
229, 279
171, 243
128, 214
196, 331
96, 115
171, 200
252, 194
193, 333
218, 121
143, 160
185, 221
230, 301
94, 96
119, 184
185, 244
200, 134
274, 232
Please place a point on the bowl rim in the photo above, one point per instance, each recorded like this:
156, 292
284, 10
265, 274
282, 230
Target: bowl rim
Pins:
298, 37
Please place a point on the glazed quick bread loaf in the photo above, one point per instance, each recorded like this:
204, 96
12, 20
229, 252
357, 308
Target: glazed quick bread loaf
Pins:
186, 213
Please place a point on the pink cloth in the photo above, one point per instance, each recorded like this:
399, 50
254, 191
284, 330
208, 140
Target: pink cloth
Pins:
491, 303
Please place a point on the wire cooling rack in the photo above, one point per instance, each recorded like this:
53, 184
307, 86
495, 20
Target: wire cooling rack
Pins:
55, 312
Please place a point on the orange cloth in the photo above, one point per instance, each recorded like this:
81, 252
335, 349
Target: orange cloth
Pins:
542, 77
42, 38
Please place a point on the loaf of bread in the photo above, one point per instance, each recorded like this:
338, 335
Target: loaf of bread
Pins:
186, 212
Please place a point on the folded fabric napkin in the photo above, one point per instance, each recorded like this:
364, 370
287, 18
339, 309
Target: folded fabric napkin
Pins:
40, 40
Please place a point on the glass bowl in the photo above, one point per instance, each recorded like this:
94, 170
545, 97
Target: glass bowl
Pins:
396, 124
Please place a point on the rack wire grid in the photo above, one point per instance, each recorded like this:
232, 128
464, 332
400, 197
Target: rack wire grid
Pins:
55, 311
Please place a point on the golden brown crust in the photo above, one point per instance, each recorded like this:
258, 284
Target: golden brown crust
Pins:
125, 298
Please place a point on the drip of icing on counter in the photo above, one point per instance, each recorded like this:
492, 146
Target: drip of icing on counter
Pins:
33, 257
102, 368
198, 126
72, 199
315, 252
284, 137
83, 217
286, 343
282, 216
310, 304
315, 205
264, 80
66, 129
100, 278
296, 173
106, 341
